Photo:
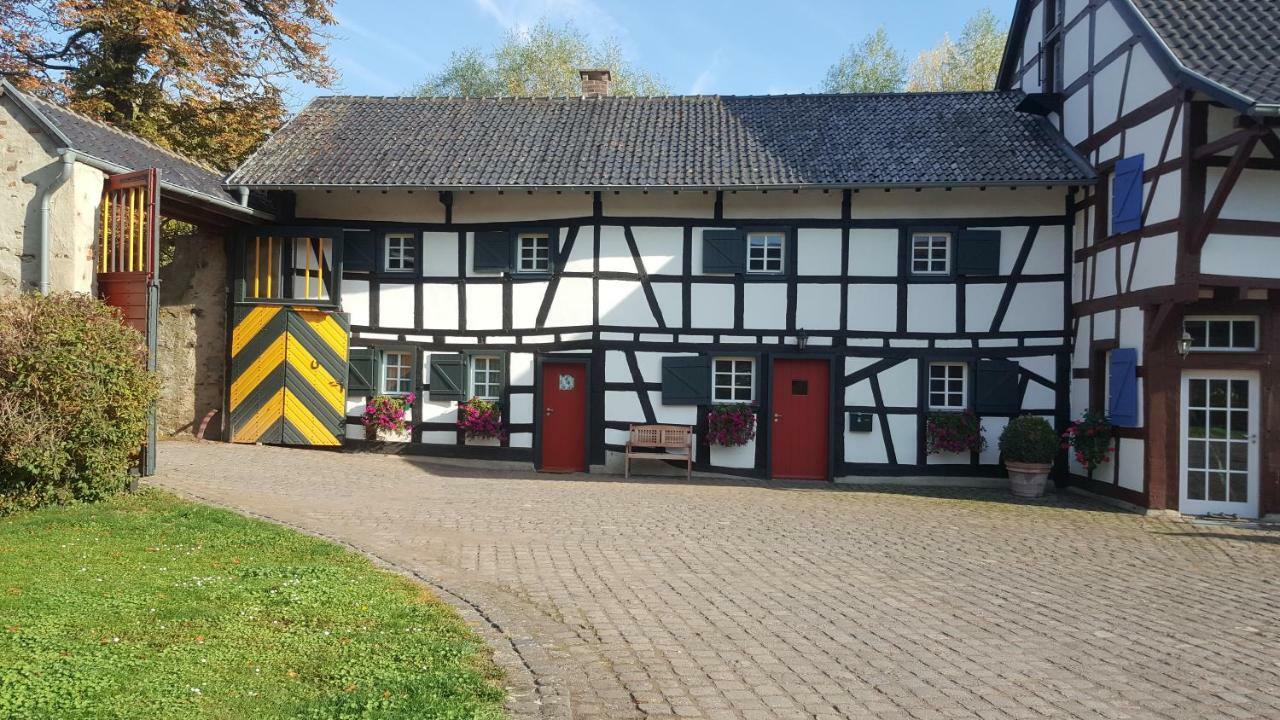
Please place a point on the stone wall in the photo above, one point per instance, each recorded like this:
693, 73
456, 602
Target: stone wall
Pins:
191, 342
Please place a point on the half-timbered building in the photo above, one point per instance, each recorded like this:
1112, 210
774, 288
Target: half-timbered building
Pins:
845, 263
1176, 250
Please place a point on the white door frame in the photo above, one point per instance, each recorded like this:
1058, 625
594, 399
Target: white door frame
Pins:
1203, 507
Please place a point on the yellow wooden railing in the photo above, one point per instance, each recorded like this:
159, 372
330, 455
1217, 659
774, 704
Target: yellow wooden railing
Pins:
126, 228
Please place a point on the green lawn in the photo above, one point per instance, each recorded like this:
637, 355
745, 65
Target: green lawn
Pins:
147, 606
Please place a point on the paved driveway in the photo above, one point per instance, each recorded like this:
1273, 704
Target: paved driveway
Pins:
652, 598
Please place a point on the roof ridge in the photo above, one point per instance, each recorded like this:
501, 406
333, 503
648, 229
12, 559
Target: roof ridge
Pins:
609, 98
132, 136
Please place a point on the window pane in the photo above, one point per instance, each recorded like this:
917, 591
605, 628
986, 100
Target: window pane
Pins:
1198, 332
1244, 334
1220, 334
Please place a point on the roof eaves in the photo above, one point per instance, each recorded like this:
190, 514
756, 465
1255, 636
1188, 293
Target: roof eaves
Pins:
1088, 177
223, 203
6, 88
1174, 66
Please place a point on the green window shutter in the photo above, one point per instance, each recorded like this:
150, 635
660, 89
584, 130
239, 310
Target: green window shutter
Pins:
357, 251
448, 377
978, 252
686, 380
724, 251
491, 251
361, 371
996, 390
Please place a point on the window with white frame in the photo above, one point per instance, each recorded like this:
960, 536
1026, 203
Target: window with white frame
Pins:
930, 253
947, 386
764, 252
397, 372
533, 252
486, 377
1221, 333
400, 252
733, 380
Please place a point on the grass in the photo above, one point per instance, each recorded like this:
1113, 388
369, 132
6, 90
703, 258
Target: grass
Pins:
148, 606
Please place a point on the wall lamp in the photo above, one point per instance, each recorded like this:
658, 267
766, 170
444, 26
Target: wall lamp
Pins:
1184, 344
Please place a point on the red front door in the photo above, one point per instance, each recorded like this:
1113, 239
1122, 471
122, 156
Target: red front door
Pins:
801, 413
564, 417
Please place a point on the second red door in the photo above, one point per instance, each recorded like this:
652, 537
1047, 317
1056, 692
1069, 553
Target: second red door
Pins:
801, 412
564, 417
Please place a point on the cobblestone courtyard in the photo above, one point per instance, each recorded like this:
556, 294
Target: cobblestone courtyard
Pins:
654, 598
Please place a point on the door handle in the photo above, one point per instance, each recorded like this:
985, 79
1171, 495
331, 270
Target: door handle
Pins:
550, 411
777, 417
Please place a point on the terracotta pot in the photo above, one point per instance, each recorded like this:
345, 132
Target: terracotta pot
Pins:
1028, 479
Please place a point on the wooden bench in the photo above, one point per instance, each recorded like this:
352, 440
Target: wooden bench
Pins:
660, 442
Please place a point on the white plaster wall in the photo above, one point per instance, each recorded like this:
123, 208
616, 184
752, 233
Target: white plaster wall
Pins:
615, 256
1075, 53
1035, 306
1039, 397
1241, 255
659, 204
1075, 121
980, 303
520, 369
572, 304
1254, 196
1157, 262
818, 307
931, 308
622, 302
395, 305
440, 254
958, 202
1146, 80
866, 447
898, 384
439, 306
526, 300
765, 306
1046, 252
782, 204
873, 308
349, 204
818, 252
355, 300
661, 249
1130, 464
873, 252
1107, 84
711, 306
1148, 138
903, 430
519, 206
1110, 30
1103, 274
670, 301
484, 307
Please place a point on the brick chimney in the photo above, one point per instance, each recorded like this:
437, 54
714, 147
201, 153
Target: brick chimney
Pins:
595, 83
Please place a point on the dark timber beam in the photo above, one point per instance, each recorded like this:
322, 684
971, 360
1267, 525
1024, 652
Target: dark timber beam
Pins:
1221, 193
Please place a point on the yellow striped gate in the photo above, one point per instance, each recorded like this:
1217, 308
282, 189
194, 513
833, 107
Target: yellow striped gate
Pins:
288, 375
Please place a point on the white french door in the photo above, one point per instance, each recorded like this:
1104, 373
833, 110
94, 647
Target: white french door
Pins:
1220, 443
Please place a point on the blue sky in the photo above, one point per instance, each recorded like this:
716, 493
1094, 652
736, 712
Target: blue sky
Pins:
382, 47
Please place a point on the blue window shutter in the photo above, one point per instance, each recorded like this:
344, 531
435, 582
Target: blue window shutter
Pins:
1126, 195
1122, 406
724, 251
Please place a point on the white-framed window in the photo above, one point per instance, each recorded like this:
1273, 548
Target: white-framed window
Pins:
930, 253
397, 372
764, 252
399, 252
486, 377
733, 380
1222, 333
533, 252
947, 381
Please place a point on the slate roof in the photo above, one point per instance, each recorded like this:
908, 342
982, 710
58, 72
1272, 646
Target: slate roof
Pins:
1235, 43
91, 137
772, 141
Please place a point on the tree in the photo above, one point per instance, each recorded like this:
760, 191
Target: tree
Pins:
970, 64
541, 61
201, 77
872, 65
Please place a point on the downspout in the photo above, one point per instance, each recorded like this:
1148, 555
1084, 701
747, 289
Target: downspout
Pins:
46, 206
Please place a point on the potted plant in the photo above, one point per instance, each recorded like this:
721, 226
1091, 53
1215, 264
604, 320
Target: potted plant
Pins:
1028, 445
386, 417
1090, 439
731, 425
481, 419
954, 432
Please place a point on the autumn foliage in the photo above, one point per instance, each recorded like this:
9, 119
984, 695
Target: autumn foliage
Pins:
200, 77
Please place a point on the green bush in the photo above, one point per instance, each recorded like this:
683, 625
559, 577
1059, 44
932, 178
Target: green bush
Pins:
74, 396
1029, 439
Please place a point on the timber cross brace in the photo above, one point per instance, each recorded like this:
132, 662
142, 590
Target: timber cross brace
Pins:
1244, 141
